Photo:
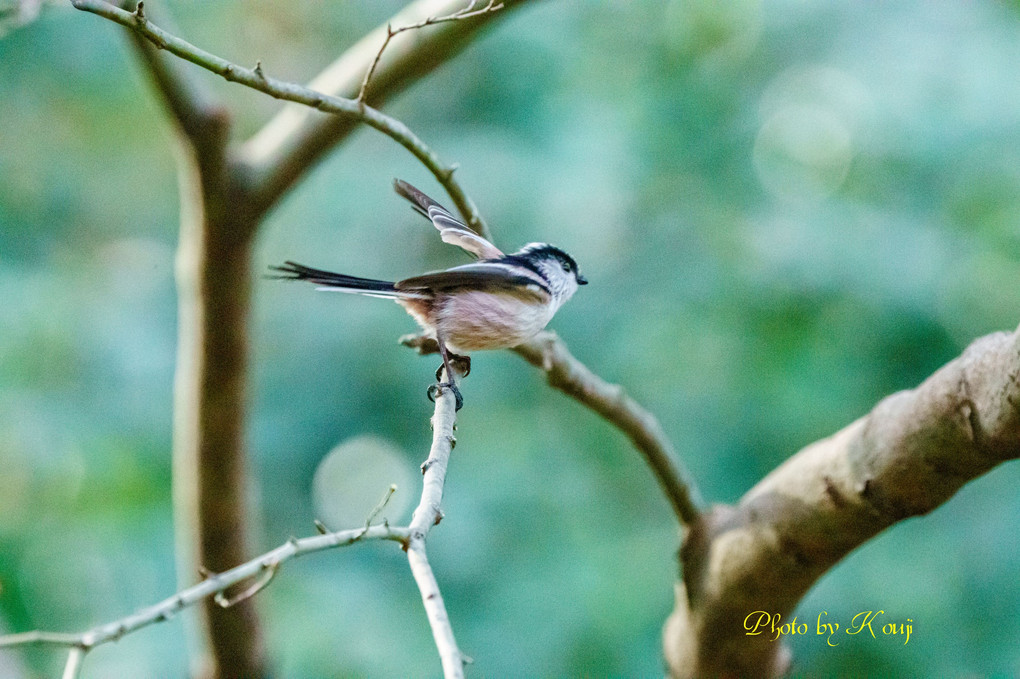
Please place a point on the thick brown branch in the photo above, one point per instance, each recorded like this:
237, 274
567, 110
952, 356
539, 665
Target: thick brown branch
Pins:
905, 458
210, 462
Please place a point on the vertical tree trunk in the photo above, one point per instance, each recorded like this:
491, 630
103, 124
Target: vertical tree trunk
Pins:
209, 475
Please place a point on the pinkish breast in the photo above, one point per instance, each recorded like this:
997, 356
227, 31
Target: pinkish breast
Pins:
472, 321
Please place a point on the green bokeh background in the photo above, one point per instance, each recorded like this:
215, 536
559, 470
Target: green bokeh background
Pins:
787, 210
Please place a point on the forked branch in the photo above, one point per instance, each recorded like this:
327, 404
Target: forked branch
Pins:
213, 585
262, 569
546, 352
257, 79
564, 372
465, 13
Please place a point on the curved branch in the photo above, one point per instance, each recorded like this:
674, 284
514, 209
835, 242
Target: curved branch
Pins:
564, 372
258, 200
909, 455
285, 148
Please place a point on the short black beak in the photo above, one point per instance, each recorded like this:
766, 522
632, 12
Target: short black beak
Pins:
581, 280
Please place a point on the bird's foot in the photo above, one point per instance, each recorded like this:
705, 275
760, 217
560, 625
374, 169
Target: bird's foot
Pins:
460, 364
437, 389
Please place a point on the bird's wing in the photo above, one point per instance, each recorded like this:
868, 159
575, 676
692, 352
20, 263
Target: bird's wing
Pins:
451, 229
492, 277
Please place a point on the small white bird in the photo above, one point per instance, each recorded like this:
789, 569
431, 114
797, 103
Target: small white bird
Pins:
497, 302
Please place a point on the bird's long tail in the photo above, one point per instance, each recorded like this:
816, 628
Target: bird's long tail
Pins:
336, 281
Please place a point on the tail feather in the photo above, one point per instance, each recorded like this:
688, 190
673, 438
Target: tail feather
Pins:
299, 272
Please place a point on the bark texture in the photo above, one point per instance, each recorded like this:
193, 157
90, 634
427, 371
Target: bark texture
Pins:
909, 455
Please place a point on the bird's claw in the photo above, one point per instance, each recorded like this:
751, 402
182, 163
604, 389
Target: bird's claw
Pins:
460, 365
437, 389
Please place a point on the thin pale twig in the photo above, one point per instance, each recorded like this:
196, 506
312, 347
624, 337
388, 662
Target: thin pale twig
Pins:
391, 32
426, 515
210, 586
75, 658
381, 505
223, 601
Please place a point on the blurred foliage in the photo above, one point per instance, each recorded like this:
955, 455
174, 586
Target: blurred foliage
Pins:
787, 210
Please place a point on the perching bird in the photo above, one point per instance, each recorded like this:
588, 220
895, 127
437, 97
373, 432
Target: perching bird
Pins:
497, 302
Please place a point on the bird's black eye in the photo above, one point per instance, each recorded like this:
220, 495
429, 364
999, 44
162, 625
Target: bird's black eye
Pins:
566, 267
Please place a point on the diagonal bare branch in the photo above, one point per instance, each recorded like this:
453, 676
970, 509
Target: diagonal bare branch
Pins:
548, 353
212, 585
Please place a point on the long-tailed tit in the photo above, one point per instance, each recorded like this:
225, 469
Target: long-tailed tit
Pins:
498, 302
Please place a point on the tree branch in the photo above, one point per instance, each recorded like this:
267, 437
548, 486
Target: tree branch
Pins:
75, 658
256, 79
196, 111
426, 515
463, 13
284, 149
549, 353
263, 568
564, 372
211, 586
908, 456
210, 474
